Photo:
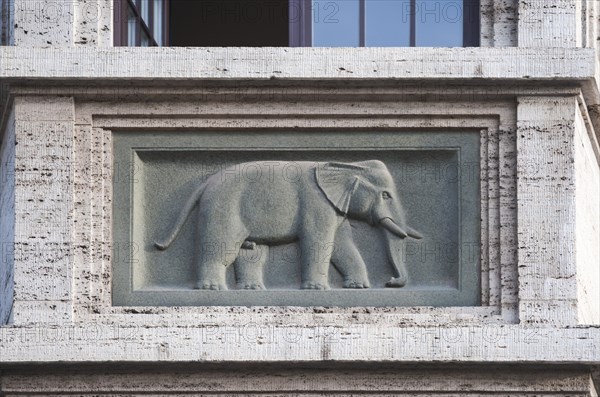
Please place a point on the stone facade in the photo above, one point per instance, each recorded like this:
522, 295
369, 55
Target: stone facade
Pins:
531, 90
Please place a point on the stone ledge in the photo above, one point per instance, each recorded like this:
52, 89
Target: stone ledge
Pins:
270, 380
297, 63
361, 343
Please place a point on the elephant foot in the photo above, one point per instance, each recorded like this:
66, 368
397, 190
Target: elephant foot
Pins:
356, 284
210, 285
396, 282
251, 286
312, 285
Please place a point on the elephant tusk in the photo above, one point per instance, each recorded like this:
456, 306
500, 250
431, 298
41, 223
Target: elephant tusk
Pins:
393, 227
413, 233
390, 225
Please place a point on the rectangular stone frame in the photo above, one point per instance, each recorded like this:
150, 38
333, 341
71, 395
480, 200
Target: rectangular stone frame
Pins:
92, 209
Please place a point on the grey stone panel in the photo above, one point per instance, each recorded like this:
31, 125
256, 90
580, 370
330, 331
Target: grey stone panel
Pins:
436, 173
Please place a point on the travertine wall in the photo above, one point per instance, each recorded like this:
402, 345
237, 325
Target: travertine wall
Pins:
63, 307
43, 207
43, 23
555, 23
558, 213
546, 195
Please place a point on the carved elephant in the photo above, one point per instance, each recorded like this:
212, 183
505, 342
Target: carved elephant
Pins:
309, 206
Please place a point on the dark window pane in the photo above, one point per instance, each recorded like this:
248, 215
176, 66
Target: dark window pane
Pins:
145, 10
336, 23
158, 16
222, 23
132, 28
387, 23
439, 23
145, 39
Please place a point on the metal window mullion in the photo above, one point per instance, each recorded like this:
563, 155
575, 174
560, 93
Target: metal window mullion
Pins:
471, 21
151, 21
362, 23
300, 29
413, 23
122, 23
166, 19
307, 26
295, 22
2, 23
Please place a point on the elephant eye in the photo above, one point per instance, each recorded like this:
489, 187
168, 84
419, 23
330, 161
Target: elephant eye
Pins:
386, 195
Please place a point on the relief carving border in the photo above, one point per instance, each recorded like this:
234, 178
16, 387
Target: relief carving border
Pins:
92, 151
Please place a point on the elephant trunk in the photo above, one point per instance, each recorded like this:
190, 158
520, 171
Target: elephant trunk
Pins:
395, 256
394, 250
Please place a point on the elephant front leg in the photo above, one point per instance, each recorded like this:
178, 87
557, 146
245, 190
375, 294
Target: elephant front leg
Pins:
348, 260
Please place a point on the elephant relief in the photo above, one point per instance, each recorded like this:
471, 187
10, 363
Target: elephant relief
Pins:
310, 209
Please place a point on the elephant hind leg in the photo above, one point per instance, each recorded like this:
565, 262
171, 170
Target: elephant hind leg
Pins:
214, 258
249, 266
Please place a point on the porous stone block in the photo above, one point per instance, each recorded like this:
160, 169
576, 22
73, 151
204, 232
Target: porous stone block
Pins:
43, 23
546, 196
43, 199
93, 22
549, 24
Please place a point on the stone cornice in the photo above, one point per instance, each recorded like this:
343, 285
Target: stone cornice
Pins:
232, 63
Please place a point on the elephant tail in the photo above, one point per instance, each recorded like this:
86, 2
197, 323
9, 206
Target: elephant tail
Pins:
183, 215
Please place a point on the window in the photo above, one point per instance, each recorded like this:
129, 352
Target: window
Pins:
141, 23
303, 23
385, 23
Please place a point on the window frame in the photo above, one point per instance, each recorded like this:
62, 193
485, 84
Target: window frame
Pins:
300, 33
122, 28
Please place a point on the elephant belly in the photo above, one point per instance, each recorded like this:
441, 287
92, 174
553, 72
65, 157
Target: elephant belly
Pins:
280, 240
271, 215
271, 231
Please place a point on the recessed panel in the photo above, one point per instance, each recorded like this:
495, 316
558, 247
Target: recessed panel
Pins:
296, 219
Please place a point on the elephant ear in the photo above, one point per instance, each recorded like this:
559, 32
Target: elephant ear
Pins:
338, 181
